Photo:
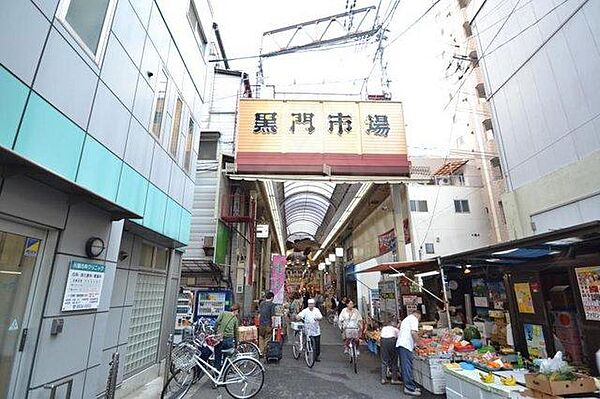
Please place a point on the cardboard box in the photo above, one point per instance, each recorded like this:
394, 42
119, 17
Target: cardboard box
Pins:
540, 383
248, 333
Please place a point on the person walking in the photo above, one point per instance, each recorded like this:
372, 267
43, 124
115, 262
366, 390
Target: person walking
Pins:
266, 312
227, 326
311, 316
408, 335
389, 356
305, 298
341, 305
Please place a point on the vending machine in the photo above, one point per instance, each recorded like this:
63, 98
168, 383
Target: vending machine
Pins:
211, 302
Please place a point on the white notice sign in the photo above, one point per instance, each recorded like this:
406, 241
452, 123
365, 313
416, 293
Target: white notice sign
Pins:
262, 231
84, 286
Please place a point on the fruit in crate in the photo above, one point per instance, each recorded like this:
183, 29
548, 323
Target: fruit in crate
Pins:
452, 366
509, 381
487, 378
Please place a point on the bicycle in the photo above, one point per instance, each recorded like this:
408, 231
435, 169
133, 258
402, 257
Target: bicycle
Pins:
248, 348
332, 317
303, 343
352, 334
242, 376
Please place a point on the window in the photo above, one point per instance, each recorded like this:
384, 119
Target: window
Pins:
175, 128
418, 206
209, 144
502, 214
429, 249
187, 161
144, 325
461, 206
153, 257
159, 104
194, 21
88, 22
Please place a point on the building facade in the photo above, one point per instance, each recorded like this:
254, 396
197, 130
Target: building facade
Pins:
448, 212
540, 65
472, 134
100, 114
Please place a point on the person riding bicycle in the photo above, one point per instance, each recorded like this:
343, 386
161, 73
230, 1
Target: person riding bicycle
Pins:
311, 316
350, 318
227, 326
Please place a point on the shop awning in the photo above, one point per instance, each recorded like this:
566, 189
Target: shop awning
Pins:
393, 267
568, 242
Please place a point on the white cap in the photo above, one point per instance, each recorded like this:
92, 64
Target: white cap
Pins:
311, 301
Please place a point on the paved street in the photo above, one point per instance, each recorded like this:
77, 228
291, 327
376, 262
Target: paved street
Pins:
333, 377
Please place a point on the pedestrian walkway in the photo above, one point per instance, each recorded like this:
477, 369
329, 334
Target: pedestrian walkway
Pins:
333, 377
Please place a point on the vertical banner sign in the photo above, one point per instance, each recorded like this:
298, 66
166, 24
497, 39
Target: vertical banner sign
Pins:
536, 344
84, 286
387, 242
278, 263
588, 279
406, 231
308, 137
524, 298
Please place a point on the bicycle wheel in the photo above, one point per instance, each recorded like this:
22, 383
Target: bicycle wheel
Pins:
248, 348
309, 354
354, 357
178, 384
297, 346
244, 378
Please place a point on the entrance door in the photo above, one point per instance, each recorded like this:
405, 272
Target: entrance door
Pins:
21, 252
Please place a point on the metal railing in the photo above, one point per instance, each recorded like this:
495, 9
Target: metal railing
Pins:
111, 382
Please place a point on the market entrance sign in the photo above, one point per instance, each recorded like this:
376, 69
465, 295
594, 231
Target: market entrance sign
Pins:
310, 137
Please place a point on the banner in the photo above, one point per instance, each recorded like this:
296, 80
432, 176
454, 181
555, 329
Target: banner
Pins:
313, 137
524, 298
588, 279
387, 242
278, 263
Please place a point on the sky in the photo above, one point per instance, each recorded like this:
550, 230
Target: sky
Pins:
414, 62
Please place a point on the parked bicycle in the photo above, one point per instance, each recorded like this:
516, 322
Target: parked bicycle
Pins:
241, 375
352, 335
302, 344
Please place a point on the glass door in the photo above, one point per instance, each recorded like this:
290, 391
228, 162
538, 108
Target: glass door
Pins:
21, 249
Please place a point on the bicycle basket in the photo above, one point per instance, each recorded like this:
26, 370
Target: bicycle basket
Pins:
297, 325
213, 340
351, 333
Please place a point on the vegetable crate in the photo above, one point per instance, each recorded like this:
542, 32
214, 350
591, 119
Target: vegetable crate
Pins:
539, 382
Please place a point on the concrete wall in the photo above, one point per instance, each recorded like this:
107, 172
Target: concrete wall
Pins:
365, 236
541, 75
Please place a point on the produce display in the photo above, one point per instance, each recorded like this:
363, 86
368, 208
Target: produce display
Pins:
509, 381
487, 378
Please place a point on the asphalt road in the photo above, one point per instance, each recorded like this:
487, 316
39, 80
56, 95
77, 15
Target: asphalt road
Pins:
332, 378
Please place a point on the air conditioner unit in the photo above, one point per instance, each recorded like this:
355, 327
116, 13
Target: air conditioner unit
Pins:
229, 167
208, 245
209, 242
443, 181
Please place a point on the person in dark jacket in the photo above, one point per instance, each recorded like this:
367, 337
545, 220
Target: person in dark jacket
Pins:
342, 305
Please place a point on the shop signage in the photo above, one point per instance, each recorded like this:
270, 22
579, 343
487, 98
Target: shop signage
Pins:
524, 298
406, 231
262, 231
308, 137
588, 279
278, 263
84, 286
387, 242
536, 344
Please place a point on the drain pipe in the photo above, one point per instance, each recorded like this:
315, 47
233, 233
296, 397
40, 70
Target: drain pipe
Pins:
220, 43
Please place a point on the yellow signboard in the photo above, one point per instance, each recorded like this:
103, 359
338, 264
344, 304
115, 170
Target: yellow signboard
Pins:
304, 137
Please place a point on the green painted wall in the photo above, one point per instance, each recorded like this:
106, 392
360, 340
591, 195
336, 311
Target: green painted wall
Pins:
222, 244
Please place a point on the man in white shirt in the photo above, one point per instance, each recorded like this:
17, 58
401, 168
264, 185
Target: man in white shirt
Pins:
408, 335
311, 316
389, 356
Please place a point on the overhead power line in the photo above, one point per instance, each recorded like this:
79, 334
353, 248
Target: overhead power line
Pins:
415, 22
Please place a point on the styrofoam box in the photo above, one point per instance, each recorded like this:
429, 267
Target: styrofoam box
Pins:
436, 386
450, 394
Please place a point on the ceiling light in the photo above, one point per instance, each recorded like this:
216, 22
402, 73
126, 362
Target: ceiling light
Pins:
332, 257
327, 261
321, 266
467, 271
339, 252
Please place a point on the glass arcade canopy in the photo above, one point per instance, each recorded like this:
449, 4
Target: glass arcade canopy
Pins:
306, 204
